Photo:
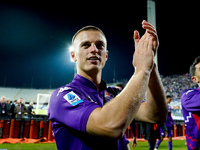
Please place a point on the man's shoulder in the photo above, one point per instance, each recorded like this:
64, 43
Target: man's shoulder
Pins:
189, 92
189, 98
62, 89
67, 91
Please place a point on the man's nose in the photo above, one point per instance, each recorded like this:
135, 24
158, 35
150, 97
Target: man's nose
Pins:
93, 48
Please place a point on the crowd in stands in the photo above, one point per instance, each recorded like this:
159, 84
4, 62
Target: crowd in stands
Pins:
16, 109
175, 85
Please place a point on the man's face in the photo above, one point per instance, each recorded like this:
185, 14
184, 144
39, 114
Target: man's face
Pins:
196, 78
3, 99
90, 52
169, 100
20, 100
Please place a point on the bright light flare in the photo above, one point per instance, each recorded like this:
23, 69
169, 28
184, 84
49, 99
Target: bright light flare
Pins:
71, 48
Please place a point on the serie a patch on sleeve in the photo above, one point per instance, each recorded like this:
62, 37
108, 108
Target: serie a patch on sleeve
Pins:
72, 98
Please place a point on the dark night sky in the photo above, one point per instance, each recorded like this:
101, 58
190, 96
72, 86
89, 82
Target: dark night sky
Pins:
34, 38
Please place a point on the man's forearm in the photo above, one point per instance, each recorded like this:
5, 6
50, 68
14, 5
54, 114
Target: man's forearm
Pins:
130, 99
156, 103
114, 118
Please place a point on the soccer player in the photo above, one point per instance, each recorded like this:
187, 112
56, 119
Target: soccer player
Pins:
169, 124
191, 108
88, 115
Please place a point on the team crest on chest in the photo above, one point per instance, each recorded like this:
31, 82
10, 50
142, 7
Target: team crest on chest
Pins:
108, 95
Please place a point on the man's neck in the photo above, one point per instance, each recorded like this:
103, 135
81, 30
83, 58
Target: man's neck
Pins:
94, 77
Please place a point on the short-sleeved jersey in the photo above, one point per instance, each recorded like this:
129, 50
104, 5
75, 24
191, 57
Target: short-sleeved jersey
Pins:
190, 101
69, 109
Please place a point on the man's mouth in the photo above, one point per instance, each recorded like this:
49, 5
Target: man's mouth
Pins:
93, 58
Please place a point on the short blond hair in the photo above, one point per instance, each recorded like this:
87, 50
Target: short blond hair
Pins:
87, 28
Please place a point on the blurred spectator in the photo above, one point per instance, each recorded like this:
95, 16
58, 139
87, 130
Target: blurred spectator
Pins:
30, 110
12, 108
8, 106
20, 109
3, 108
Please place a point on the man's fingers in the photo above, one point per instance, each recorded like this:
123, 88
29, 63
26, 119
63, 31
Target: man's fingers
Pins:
136, 36
149, 27
152, 33
145, 23
150, 44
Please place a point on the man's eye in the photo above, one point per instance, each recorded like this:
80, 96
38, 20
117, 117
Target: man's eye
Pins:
86, 45
100, 46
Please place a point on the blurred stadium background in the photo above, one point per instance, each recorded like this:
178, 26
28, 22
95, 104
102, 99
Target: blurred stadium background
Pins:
39, 127
174, 85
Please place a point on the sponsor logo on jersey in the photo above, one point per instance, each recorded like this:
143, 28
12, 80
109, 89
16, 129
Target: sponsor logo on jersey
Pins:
72, 98
189, 91
63, 89
108, 96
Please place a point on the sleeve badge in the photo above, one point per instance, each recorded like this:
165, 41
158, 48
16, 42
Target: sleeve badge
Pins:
72, 98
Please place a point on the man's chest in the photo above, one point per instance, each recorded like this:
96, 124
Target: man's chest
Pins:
99, 98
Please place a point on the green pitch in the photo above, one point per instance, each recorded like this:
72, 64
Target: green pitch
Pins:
41, 111
27, 146
177, 145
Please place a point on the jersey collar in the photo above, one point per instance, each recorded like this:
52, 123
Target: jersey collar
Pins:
87, 84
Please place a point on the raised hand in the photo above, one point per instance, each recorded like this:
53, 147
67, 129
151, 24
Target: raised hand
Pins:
150, 29
145, 47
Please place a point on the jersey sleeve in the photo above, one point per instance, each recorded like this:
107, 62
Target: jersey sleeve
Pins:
70, 108
190, 100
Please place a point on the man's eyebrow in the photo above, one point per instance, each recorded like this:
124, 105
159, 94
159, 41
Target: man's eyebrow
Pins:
83, 42
99, 41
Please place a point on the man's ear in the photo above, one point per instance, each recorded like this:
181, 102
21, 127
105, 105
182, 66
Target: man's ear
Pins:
195, 79
106, 55
73, 57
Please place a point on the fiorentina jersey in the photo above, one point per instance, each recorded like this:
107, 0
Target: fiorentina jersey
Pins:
190, 101
69, 109
169, 121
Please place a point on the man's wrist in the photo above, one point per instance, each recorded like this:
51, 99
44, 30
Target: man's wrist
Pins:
145, 72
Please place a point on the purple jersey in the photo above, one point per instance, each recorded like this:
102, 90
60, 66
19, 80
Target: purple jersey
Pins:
69, 109
190, 101
169, 121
